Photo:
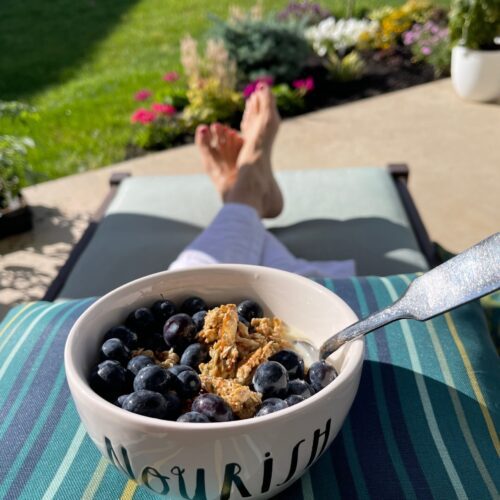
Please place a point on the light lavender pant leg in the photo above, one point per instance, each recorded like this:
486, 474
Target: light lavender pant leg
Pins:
276, 255
235, 236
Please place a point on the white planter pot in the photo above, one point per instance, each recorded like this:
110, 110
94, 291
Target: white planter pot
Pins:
476, 73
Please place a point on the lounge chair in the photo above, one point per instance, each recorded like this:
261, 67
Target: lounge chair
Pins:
424, 423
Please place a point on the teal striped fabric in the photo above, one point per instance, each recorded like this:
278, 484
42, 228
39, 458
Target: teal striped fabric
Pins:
424, 423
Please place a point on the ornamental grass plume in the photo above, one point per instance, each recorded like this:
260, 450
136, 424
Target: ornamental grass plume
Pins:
189, 57
218, 64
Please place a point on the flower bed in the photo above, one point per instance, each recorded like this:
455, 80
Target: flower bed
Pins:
310, 58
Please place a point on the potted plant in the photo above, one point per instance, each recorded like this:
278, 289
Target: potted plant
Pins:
15, 215
475, 61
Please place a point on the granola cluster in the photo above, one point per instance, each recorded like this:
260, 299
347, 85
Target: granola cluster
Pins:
235, 353
165, 359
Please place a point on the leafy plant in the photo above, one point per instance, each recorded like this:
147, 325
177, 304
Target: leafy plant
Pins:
15, 170
347, 68
475, 23
209, 102
430, 43
290, 101
175, 96
160, 133
265, 47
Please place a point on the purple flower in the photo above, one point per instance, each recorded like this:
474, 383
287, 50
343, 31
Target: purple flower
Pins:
252, 86
426, 51
307, 84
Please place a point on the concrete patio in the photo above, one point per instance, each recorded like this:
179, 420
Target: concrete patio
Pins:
451, 146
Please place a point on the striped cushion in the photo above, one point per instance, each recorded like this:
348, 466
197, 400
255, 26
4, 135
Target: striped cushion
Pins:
422, 426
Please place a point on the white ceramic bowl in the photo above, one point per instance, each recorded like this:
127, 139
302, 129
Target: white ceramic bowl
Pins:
258, 456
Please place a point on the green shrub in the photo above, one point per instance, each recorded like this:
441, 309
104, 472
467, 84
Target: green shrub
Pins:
15, 171
209, 102
265, 47
289, 101
175, 96
161, 133
475, 24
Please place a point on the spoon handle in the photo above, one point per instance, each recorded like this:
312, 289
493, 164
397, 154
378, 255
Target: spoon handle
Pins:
467, 276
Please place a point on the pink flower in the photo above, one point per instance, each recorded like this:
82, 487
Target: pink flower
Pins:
252, 86
408, 38
171, 76
426, 51
142, 95
163, 109
143, 116
306, 84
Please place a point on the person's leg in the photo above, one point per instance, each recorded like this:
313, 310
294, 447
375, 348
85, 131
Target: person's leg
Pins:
235, 236
241, 172
275, 254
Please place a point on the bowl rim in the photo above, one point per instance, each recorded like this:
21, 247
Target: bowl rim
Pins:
352, 362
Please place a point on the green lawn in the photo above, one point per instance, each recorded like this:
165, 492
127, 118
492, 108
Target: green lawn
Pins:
80, 64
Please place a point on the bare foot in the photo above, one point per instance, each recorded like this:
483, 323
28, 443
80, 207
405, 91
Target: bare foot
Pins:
219, 147
259, 126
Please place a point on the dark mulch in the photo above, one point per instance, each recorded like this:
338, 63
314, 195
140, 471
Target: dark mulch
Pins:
385, 72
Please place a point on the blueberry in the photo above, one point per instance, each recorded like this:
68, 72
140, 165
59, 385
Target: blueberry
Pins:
271, 380
194, 355
293, 363
173, 406
179, 331
294, 399
193, 417
109, 379
176, 369
193, 305
300, 388
320, 374
139, 362
127, 336
199, 320
120, 399
154, 342
189, 384
213, 407
162, 310
270, 406
249, 309
147, 403
141, 321
154, 378
115, 349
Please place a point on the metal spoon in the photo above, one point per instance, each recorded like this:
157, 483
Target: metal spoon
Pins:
467, 276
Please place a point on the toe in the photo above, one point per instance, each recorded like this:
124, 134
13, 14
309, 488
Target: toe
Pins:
218, 135
235, 142
202, 136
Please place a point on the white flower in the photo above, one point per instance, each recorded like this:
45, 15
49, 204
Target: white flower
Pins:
338, 34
